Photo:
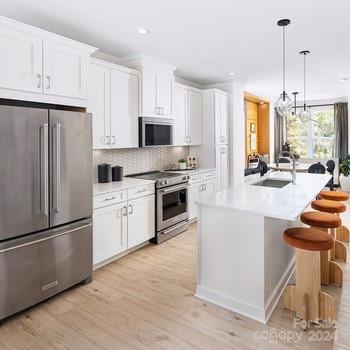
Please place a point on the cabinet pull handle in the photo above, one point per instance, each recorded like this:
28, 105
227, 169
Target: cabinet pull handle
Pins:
140, 191
162, 110
131, 209
204, 187
125, 211
113, 140
157, 110
48, 78
108, 142
109, 199
38, 85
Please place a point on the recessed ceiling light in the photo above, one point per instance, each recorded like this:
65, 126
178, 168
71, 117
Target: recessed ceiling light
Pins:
231, 74
344, 79
142, 30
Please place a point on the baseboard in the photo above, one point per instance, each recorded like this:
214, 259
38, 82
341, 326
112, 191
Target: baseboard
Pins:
275, 296
259, 314
226, 302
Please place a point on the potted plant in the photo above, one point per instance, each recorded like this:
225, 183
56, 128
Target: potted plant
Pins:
182, 164
344, 178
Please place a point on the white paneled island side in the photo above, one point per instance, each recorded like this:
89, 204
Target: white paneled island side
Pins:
243, 262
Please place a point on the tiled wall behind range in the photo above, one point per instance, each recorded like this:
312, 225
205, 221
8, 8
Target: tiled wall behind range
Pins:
137, 160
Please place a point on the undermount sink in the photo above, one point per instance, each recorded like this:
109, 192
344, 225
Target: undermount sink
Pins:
273, 183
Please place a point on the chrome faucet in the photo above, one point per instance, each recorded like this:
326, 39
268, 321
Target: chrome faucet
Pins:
294, 170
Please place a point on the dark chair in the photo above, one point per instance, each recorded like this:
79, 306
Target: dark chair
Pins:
317, 168
330, 168
263, 168
284, 160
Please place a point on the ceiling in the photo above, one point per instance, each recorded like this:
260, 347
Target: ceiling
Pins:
206, 39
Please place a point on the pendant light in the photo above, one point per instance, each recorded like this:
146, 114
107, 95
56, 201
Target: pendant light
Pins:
294, 113
284, 103
305, 113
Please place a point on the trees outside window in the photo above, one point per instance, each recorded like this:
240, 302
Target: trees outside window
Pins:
315, 138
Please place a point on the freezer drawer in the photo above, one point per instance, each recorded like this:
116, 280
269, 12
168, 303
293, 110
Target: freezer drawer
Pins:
39, 266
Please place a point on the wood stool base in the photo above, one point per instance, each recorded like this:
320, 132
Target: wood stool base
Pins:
306, 297
343, 234
340, 250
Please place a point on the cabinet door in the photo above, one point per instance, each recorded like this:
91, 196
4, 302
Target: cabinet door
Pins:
165, 93
208, 189
224, 112
194, 195
222, 167
110, 231
65, 71
20, 61
195, 117
98, 103
124, 109
149, 91
141, 220
180, 116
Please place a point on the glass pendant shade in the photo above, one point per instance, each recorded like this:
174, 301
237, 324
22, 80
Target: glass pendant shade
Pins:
305, 115
284, 105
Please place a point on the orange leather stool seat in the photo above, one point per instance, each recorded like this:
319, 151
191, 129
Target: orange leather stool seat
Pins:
328, 206
308, 239
320, 219
338, 196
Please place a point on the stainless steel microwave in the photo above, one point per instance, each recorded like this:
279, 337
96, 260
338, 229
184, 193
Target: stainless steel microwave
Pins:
155, 132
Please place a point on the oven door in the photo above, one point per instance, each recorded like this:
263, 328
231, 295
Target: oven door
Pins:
172, 205
156, 132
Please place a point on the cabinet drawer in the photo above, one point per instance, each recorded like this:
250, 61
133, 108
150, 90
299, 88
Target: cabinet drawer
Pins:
140, 191
194, 179
209, 176
109, 199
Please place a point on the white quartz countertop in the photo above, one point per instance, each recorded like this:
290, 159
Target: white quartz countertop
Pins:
127, 183
285, 203
192, 172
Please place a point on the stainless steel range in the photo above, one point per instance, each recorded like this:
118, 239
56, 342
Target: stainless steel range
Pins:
171, 203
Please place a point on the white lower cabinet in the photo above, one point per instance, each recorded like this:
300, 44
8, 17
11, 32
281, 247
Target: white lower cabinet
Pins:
120, 226
141, 220
110, 231
202, 188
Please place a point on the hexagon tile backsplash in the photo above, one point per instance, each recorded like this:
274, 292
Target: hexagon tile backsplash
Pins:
137, 160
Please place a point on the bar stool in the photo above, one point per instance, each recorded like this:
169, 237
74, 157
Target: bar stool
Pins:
306, 297
333, 207
331, 272
343, 233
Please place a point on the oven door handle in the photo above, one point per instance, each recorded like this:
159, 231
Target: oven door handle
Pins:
174, 188
172, 228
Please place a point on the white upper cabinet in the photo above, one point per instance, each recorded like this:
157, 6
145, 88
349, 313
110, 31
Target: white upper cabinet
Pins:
187, 116
20, 61
157, 81
98, 103
221, 118
180, 116
195, 117
113, 100
39, 66
65, 70
124, 109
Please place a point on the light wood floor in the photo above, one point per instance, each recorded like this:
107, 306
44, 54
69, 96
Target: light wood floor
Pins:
145, 301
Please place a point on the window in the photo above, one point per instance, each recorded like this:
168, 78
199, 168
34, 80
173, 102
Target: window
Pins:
313, 139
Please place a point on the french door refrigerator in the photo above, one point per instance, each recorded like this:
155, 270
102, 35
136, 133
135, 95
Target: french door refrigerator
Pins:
45, 204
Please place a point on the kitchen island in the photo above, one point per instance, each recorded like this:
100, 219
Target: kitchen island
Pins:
243, 262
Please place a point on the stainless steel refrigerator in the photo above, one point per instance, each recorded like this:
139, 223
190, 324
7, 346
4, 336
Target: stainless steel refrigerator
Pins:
45, 204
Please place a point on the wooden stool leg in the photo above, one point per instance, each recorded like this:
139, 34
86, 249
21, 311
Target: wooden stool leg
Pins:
335, 274
327, 307
340, 250
308, 284
343, 233
333, 233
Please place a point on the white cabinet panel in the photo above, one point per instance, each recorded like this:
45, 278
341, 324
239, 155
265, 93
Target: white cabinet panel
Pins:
20, 61
195, 117
149, 92
124, 109
141, 220
180, 116
164, 93
208, 189
222, 167
194, 195
110, 232
221, 118
65, 70
98, 103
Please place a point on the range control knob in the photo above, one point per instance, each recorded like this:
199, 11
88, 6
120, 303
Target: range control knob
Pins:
165, 182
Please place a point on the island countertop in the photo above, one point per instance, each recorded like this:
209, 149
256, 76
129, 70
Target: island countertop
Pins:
285, 203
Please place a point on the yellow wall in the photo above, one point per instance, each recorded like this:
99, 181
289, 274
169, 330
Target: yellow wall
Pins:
251, 117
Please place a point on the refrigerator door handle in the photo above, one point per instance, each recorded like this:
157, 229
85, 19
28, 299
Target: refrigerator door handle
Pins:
44, 169
56, 208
